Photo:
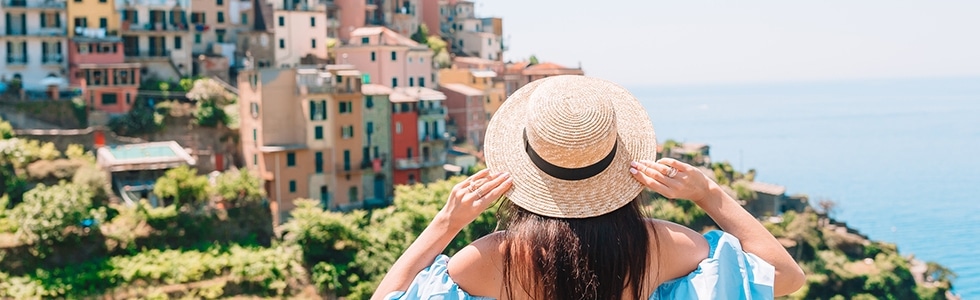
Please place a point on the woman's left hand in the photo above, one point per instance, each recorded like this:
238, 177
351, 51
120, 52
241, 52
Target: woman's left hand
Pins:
474, 195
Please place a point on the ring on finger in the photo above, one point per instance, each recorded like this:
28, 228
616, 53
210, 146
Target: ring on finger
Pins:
671, 172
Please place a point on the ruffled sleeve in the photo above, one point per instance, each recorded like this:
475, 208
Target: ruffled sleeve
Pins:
727, 273
434, 283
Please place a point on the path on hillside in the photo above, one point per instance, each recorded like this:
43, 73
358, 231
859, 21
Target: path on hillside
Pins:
21, 120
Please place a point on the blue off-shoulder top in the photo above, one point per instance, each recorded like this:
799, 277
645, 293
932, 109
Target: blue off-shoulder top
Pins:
727, 273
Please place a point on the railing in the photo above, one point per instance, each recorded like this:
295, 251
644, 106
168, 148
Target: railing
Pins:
420, 162
368, 164
34, 4
156, 3
52, 59
347, 168
432, 111
148, 53
157, 27
36, 32
17, 60
432, 137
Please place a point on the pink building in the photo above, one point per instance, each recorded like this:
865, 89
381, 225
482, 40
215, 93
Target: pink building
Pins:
388, 58
354, 14
98, 66
432, 15
466, 112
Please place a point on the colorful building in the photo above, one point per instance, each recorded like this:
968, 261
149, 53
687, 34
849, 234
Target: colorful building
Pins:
97, 65
89, 15
300, 29
388, 58
216, 25
467, 116
33, 42
378, 176
405, 138
301, 131
157, 34
433, 140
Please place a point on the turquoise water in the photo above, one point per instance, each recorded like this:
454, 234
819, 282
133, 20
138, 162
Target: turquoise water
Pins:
900, 157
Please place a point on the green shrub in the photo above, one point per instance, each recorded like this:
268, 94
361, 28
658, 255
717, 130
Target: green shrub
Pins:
48, 210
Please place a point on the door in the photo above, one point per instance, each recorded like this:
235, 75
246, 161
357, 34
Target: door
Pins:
379, 188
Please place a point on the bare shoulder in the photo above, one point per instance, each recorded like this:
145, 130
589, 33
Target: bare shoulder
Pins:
478, 268
681, 249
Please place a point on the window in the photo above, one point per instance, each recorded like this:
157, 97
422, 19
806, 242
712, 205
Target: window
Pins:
394, 55
178, 42
421, 60
318, 159
122, 77
398, 127
411, 81
244, 19
318, 110
347, 132
81, 22
254, 109
409, 59
221, 2
129, 99
282, 44
394, 82
421, 81
373, 56
370, 129
255, 159
50, 20
220, 35
109, 98
369, 101
313, 43
346, 160
221, 17
198, 18
346, 107
290, 159
282, 21
292, 186
197, 38
255, 136
318, 132
312, 21
366, 40
103, 23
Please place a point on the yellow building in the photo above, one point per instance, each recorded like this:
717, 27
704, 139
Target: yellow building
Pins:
92, 15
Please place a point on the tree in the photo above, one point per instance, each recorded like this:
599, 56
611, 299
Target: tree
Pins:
239, 187
421, 34
442, 59
211, 98
533, 60
827, 207
6, 131
436, 43
182, 186
48, 210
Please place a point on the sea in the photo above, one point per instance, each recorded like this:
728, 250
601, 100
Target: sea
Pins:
900, 157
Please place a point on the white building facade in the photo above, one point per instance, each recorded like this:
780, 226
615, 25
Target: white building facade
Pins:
33, 41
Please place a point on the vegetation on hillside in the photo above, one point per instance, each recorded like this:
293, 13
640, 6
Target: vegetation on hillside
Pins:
78, 244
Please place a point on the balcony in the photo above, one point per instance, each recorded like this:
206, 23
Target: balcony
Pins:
43, 32
347, 169
16, 60
158, 53
369, 164
155, 27
438, 111
420, 162
167, 4
52, 58
34, 4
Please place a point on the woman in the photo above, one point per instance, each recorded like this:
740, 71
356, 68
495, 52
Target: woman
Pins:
572, 155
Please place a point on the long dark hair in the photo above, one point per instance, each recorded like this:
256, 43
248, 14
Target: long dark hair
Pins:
590, 258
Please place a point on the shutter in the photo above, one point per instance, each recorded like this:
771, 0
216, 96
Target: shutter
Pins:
44, 49
323, 113
57, 21
312, 110
44, 18
23, 50
59, 47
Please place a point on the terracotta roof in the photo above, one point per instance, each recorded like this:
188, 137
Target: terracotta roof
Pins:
767, 188
518, 66
375, 89
549, 68
474, 60
462, 89
389, 37
421, 93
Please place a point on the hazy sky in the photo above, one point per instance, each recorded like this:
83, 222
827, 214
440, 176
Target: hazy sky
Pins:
638, 42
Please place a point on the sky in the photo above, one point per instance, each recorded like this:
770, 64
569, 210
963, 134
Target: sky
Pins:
698, 42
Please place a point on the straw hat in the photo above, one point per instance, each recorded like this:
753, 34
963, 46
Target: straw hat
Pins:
567, 142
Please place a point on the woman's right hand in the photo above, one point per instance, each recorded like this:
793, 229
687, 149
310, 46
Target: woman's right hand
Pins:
686, 183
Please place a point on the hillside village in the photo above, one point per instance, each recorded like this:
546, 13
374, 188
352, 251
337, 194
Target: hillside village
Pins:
336, 100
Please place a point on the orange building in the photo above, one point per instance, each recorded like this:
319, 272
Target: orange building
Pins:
97, 65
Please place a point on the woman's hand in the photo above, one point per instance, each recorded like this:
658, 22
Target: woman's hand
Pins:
473, 196
687, 182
